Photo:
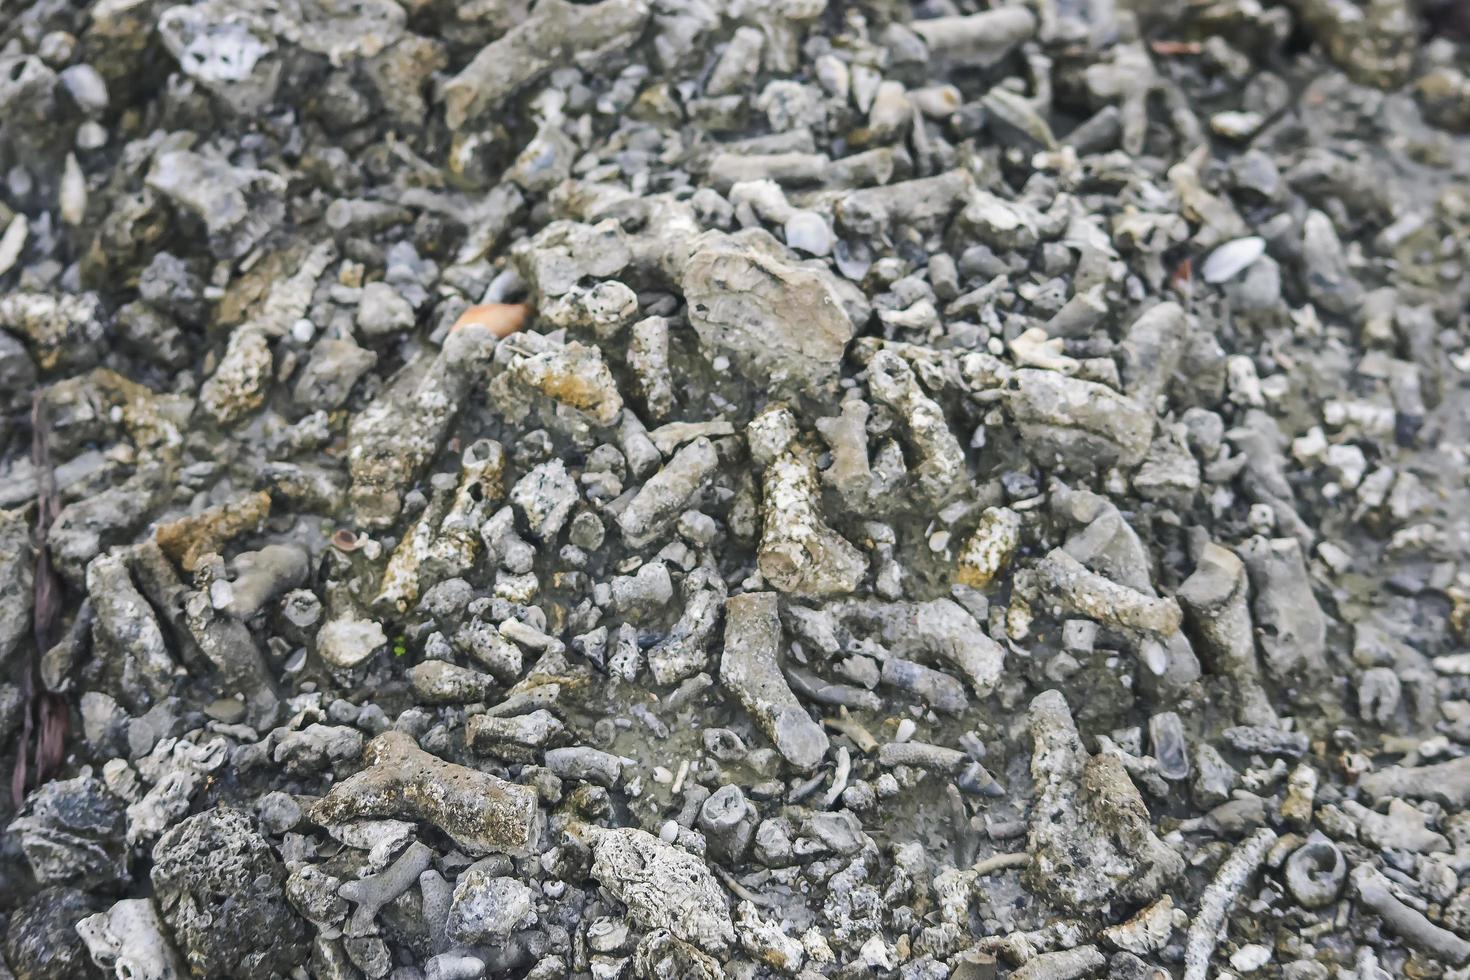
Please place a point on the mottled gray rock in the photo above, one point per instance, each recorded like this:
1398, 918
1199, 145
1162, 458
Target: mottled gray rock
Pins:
1293, 630
127, 633
41, 942
391, 440
556, 33
1077, 425
219, 887
72, 834
330, 374
238, 205
543, 500
663, 886
382, 311
778, 322
487, 907
666, 494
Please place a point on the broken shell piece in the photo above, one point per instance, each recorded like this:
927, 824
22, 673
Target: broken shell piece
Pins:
348, 641
1232, 258
1316, 872
129, 940
501, 319
1148, 931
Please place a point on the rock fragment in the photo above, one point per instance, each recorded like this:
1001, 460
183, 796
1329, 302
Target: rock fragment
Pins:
1078, 590
1407, 923
480, 812
1294, 630
663, 886
1091, 839
777, 321
393, 439
665, 495
189, 539
940, 460
982, 38
17, 583
798, 551
71, 833
749, 669
555, 33
218, 886
1221, 895
1077, 425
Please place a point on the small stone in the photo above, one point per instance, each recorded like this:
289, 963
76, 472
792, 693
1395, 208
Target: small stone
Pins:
1232, 258
806, 231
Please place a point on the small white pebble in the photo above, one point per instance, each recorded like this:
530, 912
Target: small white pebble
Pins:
807, 232
1233, 258
220, 593
721, 363
662, 775
906, 729
669, 832
1250, 957
303, 330
91, 135
1336, 558
1155, 657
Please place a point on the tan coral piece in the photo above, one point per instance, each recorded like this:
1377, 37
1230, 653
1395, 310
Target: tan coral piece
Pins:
189, 539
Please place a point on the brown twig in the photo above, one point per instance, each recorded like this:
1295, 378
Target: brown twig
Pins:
45, 715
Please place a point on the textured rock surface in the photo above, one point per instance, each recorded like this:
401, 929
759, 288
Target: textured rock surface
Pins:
1091, 839
219, 888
